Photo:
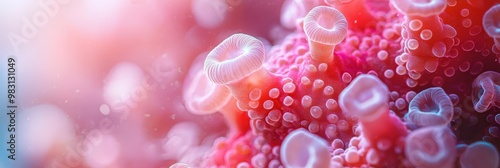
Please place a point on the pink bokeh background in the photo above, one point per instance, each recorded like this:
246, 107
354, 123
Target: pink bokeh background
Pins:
100, 84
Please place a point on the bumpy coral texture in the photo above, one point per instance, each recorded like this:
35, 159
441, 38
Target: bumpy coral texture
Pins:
408, 83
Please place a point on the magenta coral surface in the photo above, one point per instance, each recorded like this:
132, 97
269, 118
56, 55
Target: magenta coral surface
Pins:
407, 83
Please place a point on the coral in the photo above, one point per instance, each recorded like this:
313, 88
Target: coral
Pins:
401, 83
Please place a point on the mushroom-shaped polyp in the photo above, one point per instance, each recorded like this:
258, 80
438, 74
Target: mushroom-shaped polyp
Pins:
181, 137
480, 154
209, 14
491, 22
302, 148
430, 107
423, 8
486, 91
295, 9
365, 98
325, 27
236, 57
290, 12
202, 96
431, 147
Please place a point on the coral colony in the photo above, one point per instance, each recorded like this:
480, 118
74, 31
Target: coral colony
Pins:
359, 83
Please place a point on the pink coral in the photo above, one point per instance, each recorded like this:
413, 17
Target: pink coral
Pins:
432, 146
425, 37
346, 81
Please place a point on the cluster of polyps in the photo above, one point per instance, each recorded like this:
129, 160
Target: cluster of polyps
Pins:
319, 101
425, 37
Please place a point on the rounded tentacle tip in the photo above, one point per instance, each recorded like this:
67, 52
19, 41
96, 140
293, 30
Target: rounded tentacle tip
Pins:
325, 27
302, 148
491, 21
236, 57
423, 8
430, 107
430, 147
480, 154
486, 91
366, 98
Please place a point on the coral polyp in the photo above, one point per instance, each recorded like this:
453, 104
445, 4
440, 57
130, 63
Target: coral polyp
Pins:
415, 85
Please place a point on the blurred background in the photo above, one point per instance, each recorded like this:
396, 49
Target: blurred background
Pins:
99, 83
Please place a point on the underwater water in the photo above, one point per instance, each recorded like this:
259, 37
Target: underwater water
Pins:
358, 83
251, 83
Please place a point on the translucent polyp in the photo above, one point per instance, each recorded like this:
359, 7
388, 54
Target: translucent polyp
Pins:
325, 27
235, 58
432, 147
430, 107
366, 98
302, 148
422, 8
202, 96
486, 91
295, 9
360, 18
480, 154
